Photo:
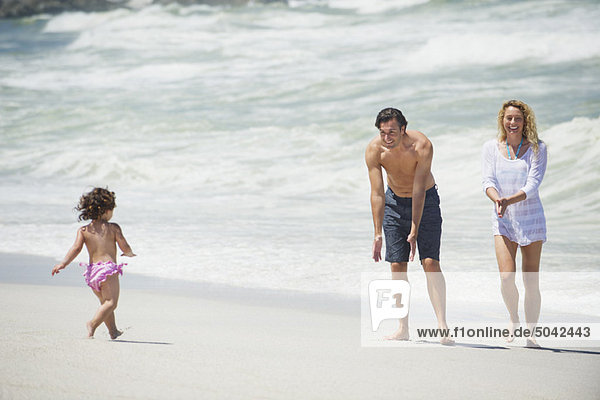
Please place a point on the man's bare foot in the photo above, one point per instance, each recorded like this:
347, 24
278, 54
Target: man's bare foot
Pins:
90, 329
115, 334
400, 334
446, 341
512, 327
532, 343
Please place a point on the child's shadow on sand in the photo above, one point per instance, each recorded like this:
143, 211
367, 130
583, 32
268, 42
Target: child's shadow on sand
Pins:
141, 342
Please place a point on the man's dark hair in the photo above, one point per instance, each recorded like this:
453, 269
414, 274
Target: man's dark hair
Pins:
388, 114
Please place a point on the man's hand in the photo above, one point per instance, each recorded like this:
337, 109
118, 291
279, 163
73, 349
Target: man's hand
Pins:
412, 240
377, 244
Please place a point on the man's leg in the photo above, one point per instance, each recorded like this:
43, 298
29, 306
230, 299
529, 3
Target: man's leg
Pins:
399, 271
436, 287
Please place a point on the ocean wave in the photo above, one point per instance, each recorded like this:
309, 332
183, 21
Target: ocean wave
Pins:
573, 173
360, 6
494, 49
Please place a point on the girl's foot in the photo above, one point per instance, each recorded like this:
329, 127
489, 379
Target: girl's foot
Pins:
90, 329
115, 334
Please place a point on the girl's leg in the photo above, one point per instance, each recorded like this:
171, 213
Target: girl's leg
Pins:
110, 293
506, 252
110, 320
533, 300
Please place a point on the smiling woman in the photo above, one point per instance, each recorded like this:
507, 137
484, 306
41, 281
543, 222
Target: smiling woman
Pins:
516, 122
519, 221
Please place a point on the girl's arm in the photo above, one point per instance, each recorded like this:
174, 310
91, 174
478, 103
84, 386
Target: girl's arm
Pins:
71, 254
122, 242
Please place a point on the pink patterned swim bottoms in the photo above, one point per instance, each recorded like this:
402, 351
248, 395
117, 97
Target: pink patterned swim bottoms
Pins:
97, 273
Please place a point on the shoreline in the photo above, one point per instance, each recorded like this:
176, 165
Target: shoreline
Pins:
36, 270
176, 344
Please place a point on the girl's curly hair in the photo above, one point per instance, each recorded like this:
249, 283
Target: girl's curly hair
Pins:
95, 203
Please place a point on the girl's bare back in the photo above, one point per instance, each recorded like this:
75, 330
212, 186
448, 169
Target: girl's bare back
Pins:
100, 240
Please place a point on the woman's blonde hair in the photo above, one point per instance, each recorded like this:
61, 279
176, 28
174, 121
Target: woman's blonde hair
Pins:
529, 128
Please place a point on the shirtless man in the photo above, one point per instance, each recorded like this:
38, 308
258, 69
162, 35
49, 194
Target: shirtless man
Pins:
409, 211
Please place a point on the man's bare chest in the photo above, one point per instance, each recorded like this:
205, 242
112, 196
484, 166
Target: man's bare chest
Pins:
399, 163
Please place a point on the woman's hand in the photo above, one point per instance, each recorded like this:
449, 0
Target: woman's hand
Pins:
501, 205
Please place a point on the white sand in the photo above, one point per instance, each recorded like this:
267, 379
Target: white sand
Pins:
179, 346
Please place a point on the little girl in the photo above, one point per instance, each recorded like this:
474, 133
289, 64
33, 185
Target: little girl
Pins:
100, 238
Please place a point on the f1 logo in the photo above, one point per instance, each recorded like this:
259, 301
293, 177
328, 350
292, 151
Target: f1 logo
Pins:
388, 299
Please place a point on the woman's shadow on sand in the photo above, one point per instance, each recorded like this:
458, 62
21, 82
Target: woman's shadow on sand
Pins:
541, 348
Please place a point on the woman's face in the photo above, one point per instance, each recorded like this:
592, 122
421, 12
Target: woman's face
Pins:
514, 122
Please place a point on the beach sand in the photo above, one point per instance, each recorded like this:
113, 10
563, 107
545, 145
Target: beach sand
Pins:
180, 341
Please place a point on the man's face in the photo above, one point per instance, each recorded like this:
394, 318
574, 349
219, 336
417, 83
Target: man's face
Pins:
390, 133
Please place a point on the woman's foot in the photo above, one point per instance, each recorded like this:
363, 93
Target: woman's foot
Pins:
512, 327
532, 343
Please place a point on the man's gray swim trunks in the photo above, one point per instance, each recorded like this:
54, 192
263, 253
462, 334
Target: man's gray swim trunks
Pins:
397, 221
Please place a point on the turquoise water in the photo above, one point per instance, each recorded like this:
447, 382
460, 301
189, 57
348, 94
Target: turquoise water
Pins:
234, 137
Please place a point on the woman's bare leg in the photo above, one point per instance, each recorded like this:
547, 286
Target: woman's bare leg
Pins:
533, 300
506, 252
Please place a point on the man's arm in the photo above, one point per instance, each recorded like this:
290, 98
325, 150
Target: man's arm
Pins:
422, 173
377, 197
